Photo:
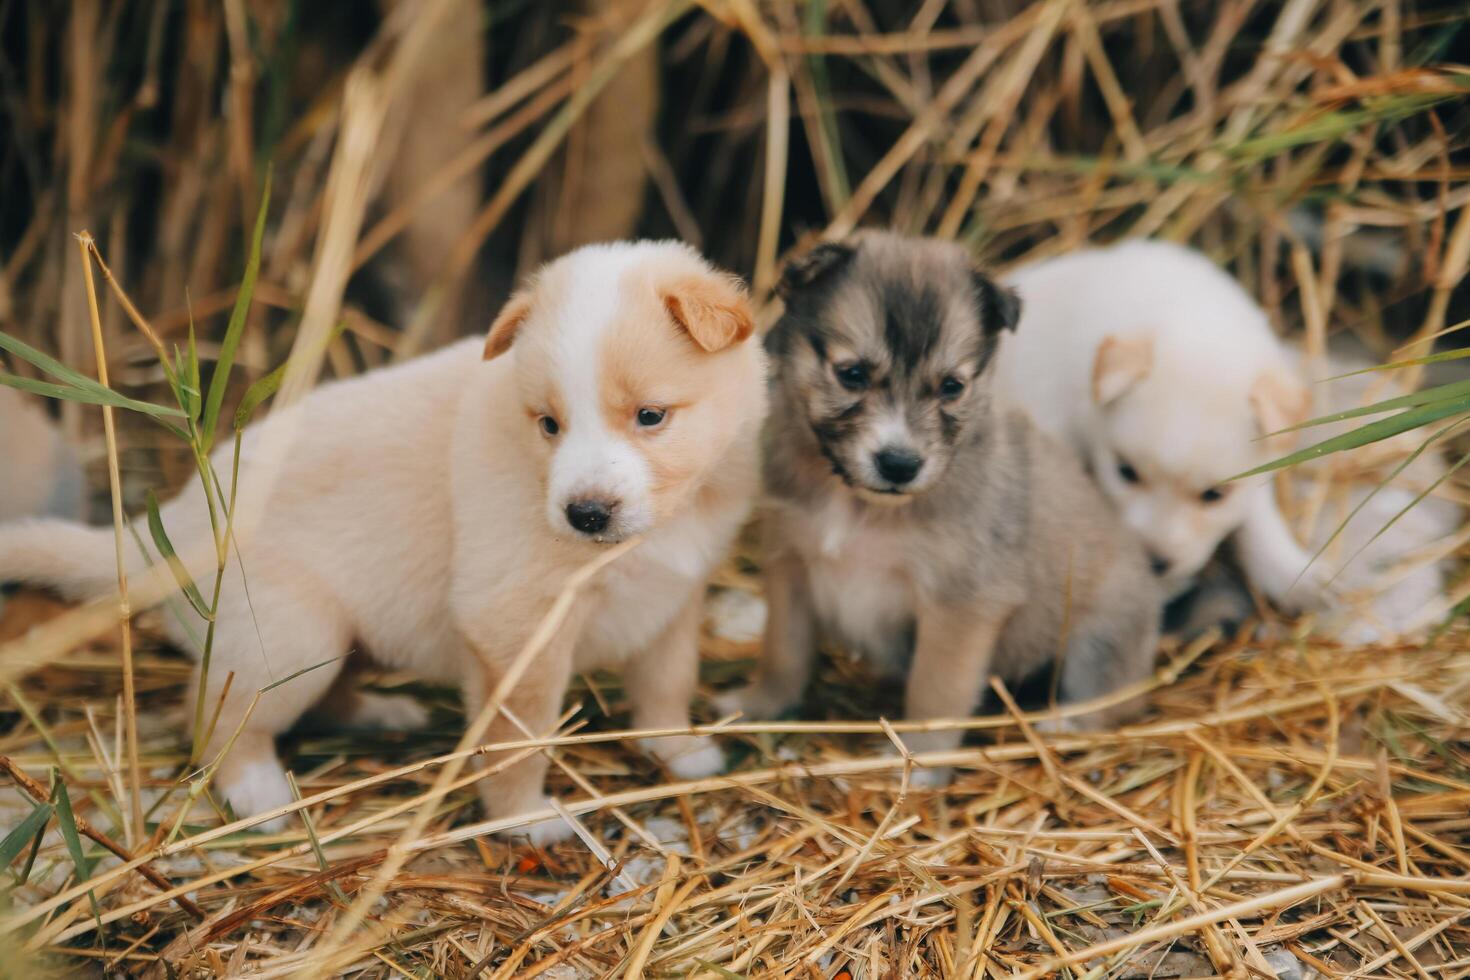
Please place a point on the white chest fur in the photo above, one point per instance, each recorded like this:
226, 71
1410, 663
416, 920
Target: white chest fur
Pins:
640, 594
859, 577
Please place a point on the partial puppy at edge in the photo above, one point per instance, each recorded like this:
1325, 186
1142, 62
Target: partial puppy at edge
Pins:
39, 472
1166, 378
912, 518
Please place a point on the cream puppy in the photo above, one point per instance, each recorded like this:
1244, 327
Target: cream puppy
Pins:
1162, 374
38, 472
432, 513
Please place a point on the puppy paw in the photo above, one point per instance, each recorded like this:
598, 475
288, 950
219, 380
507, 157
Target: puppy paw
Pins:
387, 712
1313, 590
687, 756
255, 786
1059, 726
921, 777
753, 702
930, 777
540, 833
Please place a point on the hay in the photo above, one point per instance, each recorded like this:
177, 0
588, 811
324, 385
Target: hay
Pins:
1288, 802
1287, 809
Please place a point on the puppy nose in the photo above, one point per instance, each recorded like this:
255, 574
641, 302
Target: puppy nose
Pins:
1159, 565
898, 466
589, 516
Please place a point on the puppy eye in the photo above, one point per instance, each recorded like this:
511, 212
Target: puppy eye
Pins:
951, 387
1127, 472
1212, 495
549, 425
651, 418
853, 376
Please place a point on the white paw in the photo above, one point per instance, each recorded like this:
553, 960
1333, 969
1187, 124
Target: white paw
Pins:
275, 825
1058, 726
751, 702
1313, 591
541, 833
257, 786
1354, 632
389, 712
736, 615
920, 777
930, 777
688, 757
544, 833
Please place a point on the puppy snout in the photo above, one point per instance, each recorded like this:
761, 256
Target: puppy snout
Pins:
1159, 564
897, 466
590, 516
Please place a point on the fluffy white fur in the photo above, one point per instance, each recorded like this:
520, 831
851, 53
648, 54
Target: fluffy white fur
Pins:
421, 515
1164, 375
38, 472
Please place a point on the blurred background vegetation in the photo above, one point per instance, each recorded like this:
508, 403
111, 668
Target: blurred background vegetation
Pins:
1316, 147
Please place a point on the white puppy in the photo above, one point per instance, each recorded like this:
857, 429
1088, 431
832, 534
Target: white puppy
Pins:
1164, 375
38, 472
434, 511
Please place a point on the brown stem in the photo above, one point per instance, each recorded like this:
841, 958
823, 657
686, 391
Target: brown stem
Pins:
38, 793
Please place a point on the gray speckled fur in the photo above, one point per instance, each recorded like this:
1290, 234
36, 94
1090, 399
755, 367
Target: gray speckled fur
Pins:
1008, 538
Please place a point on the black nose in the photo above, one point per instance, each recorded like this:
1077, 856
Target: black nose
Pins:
898, 466
1159, 565
589, 516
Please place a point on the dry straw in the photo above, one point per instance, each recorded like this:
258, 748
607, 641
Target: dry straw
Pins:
1288, 808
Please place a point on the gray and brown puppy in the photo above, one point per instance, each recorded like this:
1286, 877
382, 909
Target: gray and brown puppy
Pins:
909, 516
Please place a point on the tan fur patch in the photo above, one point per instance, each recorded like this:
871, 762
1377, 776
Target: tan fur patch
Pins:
1279, 401
503, 331
712, 308
1121, 363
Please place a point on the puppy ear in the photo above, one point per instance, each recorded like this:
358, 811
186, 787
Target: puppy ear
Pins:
806, 269
503, 331
712, 309
1279, 401
1121, 363
1000, 307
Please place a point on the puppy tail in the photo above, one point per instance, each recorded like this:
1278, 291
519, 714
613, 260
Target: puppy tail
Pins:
76, 560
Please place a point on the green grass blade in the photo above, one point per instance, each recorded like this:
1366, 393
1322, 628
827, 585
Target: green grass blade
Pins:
814, 24
1327, 127
1459, 353
267, 386
68, 823
1393, 475
316, 844
191, 381
220, 381
175, 609
1418, 499
46, 363
1424, 396
1362, 436
26, 832
96, 395
304, 670
257, 393
166, 549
